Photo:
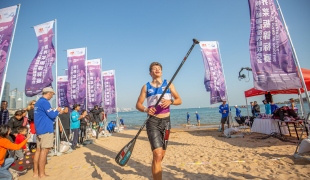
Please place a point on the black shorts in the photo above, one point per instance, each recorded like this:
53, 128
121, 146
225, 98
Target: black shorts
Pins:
224, 120
158, 130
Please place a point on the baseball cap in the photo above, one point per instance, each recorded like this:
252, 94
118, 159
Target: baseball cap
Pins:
48, 89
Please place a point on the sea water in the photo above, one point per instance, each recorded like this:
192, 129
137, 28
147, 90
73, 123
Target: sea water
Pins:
208, 115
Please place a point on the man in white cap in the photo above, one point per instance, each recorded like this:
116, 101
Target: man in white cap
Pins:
238, 111
224, 110
197, 118
44, 117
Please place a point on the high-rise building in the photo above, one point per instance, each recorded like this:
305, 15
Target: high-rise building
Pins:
20, 96
13, 94
6, 92
19, 103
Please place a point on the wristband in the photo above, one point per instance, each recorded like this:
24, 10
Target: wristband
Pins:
145, 109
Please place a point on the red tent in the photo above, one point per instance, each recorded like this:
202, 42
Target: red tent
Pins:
255, 92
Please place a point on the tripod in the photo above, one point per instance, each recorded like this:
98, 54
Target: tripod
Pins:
57, 137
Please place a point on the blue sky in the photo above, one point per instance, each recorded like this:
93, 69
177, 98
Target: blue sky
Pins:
129, 35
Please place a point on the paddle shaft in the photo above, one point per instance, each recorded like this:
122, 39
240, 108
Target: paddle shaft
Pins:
174, 75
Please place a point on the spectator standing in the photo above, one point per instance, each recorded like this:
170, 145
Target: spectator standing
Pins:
122, 121
15, 122
197, 118
252, 108
25, 118
256, 108
6, 144
44, 117
97, 117
187, 118
267, 107
83, 126
96, 114
4, 113
65, 122
224, 110
273, 107
75, 124
30, 110
238, 111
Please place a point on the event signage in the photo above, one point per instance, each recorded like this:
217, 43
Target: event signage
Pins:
62, 84
39, 74
109, 94
7, 17
271, 55
76, 92
214, 75
94, 83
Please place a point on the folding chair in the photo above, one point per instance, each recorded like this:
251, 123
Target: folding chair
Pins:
245, 125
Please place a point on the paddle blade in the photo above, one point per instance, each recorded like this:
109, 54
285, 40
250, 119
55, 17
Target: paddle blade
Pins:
124, 155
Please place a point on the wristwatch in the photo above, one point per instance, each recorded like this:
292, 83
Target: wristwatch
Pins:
172, 101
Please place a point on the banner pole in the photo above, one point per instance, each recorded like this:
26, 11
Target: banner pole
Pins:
86, 80
294, 55
299, 70
56, 87
56, 60
117, 123
247, 108
9, 53
230, 116
301, 102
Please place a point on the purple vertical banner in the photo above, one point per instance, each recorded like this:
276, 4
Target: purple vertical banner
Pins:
207, 77
39, 74
76, 92
109, 94
62, 84
94, 83
271, 56
213, 71
7, 17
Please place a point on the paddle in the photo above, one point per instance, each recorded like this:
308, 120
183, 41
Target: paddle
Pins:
124, 155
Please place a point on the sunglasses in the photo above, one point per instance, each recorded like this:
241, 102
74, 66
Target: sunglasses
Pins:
32, 104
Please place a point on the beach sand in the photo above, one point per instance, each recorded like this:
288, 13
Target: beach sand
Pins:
191, 154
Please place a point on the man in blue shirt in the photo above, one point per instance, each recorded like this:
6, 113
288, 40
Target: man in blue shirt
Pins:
273, 107
44, 117
187, 118
238, 111
198, 118
224, 110
121, 121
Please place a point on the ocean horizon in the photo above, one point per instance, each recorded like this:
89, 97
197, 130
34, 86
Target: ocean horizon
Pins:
208, 115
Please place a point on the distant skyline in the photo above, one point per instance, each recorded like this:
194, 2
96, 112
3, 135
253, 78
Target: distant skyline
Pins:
129, 35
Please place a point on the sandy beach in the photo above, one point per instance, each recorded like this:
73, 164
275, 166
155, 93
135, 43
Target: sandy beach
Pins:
192, 154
